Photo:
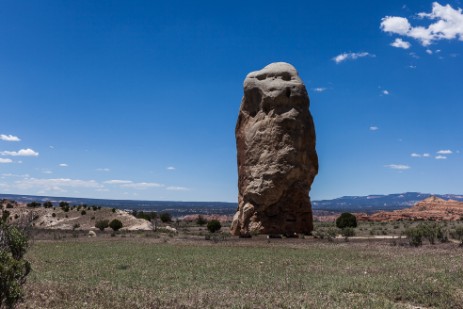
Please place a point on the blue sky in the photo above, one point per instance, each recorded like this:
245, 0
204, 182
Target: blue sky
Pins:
139, 99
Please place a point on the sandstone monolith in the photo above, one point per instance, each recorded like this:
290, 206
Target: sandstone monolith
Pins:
277, 160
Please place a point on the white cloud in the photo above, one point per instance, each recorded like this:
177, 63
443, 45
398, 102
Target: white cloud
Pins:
142, 185
170, 168
445, 152
63, 165
21, 153
177, 189
415, 155
447, 24
319, 89
429, 52
5, 161
374, 128
351, 56
386, 92
426, 155
399, 43
394, 24
9, 138
400, 167
440, 157
118, 182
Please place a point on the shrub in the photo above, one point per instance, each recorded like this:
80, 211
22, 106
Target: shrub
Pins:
348, 232
48, 204
9, 205
34, 204
346, 219
459, 234
102, 224
13, 268
166, 217
83, 212
76, 226
113, 210
53, 215
201, 221
415, 236
213, 226
115, 224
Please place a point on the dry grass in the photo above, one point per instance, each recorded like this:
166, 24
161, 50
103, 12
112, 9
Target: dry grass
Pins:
301, 273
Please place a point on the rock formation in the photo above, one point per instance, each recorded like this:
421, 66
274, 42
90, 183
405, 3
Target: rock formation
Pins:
277, 161
431, 208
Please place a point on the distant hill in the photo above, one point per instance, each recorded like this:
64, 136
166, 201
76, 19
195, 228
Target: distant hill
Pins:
374, 203
368, 204
176, 208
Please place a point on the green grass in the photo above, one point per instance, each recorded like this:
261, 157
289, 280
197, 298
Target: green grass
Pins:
148, 273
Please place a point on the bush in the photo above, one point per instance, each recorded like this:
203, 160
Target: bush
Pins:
348, 232
13, 268
115, 225
201, 221
113, 210
459, 234
415, 236
213, 226
48, 204
166, 217
83, 212
53, 215
102, 224
34, 205
346, 219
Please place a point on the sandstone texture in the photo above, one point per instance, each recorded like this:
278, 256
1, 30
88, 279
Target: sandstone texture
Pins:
432, 208
277, 161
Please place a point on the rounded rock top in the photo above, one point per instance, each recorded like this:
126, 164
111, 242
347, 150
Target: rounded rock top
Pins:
274, 79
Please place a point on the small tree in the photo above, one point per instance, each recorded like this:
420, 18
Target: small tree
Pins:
346, 219
213, 226
115, 224
83, 213
13, 268
48, 204
166, 217
102, 224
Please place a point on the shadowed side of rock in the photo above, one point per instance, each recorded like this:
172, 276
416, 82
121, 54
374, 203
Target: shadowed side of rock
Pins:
277, 161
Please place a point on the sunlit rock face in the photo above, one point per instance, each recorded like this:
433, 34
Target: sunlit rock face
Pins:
277, 160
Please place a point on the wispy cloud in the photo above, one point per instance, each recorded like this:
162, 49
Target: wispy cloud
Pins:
9, 138
142, 185
103, 170
21, 153
373, 128
63, 165
170, 168
447, 24
445, 152
5, 161
55, 184
351, 56
400, 167
385, 92
440, 157
419, 155
399, 43
319, 89
118, 182
172, 188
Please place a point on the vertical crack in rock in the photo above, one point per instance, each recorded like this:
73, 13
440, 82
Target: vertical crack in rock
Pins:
277, 161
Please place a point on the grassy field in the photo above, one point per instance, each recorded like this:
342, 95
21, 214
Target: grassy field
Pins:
170, 272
